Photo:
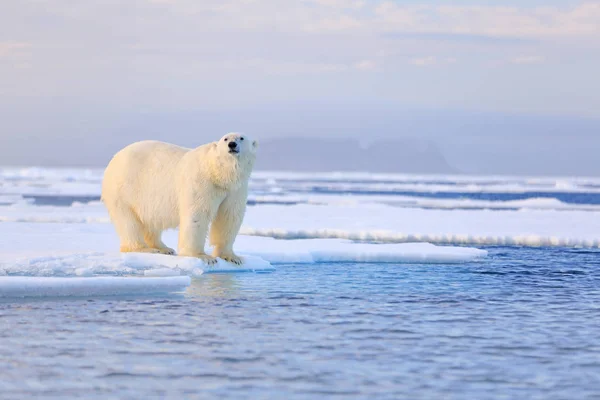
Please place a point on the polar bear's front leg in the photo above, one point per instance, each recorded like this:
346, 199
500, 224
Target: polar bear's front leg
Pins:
227, 223
193, 228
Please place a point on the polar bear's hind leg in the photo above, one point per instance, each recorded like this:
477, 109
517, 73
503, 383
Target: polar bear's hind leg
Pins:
130, 229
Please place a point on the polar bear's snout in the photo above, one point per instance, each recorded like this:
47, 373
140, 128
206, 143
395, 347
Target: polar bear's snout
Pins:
237, 144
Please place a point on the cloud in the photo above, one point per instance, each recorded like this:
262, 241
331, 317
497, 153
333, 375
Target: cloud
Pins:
432, 60
390, 17
274, 67
184, 52
9, 49
366, 65
490, 21
527, 60
340, 4
458, 38
423, 61
338, 24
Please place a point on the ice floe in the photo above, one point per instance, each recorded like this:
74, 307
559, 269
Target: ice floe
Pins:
20, 286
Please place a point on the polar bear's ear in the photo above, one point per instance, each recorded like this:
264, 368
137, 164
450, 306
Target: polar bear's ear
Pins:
255, 144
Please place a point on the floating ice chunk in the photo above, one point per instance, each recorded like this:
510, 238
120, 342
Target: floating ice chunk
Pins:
84, 271
191, 265
14, 199
83, 264
161, 272
19, 286
336, 250
82, 213
90, 264
425, 253
381, 223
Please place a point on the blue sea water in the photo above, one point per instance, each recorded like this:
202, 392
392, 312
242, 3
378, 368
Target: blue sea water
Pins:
523, 324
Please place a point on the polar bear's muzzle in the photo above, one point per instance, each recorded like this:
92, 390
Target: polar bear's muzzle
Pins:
233, 148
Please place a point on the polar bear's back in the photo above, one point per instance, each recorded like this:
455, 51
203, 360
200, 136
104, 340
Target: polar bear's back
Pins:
142, 176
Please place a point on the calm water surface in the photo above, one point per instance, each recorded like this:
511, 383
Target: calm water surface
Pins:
524, 324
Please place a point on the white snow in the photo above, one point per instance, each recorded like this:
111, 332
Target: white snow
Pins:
20, 286
10, 199
51, 174
76, 214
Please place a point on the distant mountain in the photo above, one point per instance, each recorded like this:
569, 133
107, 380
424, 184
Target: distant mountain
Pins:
472, 142
323, 155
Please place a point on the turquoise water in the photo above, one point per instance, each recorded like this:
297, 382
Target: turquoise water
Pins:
523, 324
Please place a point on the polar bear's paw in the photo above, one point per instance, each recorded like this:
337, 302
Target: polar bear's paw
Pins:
166, 250
232, 258
208, 260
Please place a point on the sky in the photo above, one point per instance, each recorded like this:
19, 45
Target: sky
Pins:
500, 86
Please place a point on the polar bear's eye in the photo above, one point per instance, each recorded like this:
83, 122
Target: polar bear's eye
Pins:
242, 138
225, 139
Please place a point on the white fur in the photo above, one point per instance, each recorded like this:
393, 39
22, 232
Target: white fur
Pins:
151, 186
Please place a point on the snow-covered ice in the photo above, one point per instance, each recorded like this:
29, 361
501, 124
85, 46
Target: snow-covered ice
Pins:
376, 222
534, 226
76, 214
62, 263
20, 286
364, 215
90, 250
540, 203
339, 250
191, 265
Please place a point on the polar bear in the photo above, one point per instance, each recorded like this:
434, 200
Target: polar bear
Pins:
151, 186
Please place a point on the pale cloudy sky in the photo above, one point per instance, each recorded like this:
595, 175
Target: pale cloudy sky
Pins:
75, 71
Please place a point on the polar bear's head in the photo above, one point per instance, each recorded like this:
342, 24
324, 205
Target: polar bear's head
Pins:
237, 145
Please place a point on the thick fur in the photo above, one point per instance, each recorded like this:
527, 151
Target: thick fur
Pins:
152, 186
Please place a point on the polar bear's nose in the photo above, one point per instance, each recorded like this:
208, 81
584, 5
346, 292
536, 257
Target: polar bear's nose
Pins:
232, 145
